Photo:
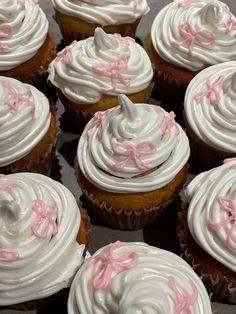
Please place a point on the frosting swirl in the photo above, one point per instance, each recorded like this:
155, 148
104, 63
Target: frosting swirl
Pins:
24, 119
159, 282
211, 213
103, 64
120, 144
39, 254
103, 12
23, 30
210, 106
194, 34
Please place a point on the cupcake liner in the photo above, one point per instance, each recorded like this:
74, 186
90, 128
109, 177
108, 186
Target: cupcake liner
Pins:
217, 278
208, 157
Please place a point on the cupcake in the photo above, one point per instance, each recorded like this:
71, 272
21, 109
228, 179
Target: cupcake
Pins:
91, 73
207, 229
210, 114
26, 47
28, 128
186, 37
133, 277
39, 253
78, 19
132, 162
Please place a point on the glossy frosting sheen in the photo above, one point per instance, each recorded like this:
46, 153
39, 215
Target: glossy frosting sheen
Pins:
211, 212
194, 34
24, 119
143, 288
42, 265
121, 143
103, 12
23, 30
210, 106
103, 64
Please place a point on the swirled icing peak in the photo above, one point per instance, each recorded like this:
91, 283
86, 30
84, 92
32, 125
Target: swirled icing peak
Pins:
103, 64
195, 34
209, 106
121, 143
23, 30
139, 279
39, 254
24, 119
212, 211
103, 12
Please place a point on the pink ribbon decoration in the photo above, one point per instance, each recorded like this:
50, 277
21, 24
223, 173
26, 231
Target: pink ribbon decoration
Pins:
184, 3
133, 152
124, 40
168, 123
15, 98
211, 91
7, 187
65, 54
111, 265
227, 160
191, 36
98, 122
9, 255
183, 299
134, 4
5, 31
230, 24
44, 215
113, 70
229, 206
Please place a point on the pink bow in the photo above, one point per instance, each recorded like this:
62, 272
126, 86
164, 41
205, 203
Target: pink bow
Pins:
7, 187
9, 255
113, 70
66, 54
184, 3
44, 215
203, 37
111, 265
231, 22
124, 40
98, 122
168, 123
229, 206
15, 98
183, 299
133, 152
227, 160
5, 31
211, 91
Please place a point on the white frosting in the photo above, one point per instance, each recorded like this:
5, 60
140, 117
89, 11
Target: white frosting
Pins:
73, 71
21, 129
29, 27
164, 152
103, 12
143, 288
44, 265
212, 18
213, 120
202, 194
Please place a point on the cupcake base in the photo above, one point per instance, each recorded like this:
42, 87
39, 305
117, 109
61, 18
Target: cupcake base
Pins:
130, 211
205, 156
34, 71
73, 28
170, 80
218, 279
41, 157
